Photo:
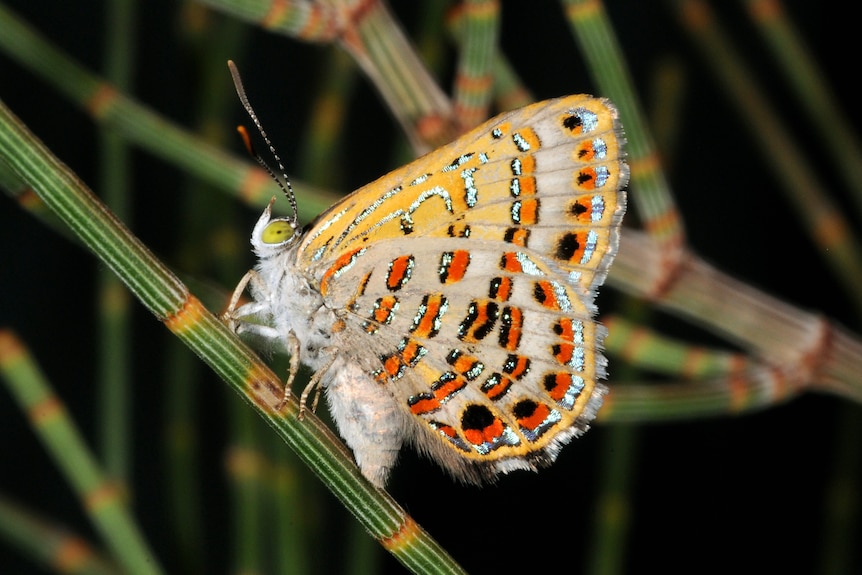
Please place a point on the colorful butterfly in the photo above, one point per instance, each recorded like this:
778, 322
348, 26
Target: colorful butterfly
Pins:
449, 304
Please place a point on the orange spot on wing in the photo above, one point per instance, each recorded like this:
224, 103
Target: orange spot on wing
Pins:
448, 388
531, 138
565, 330
341, 263
510, 334
581, 210
457, 267
559, 385
497, 391
527, 186
426, 326
586, 179
535, 419
517, 366
399, 272
384, 309
464, 363
544, 294
529, 212
392, 365
504, 290
585, 152
563, 353
488, 434
425, 405
510, 263
411, 353
518, 237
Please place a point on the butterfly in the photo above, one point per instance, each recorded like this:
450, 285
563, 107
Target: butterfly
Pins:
449, 304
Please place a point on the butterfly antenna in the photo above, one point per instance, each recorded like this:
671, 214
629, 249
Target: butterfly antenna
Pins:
285, 187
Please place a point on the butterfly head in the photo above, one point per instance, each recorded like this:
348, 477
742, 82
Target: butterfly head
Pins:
272, 235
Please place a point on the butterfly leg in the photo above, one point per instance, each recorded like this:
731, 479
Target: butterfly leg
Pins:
293, 347
230, 313
233, 315
313, 386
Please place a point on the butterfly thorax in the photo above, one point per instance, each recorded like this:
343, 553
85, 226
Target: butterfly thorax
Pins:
293, 304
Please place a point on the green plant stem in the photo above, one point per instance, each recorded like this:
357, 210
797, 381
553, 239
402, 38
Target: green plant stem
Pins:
322, 143
102, 500
618, 468
841, 509
813, 90
759, 323
645, 348
144, 128
822, 219
168, 299
245, 471
380, 48
292, 500
49, 544
182, 444
114, 346
598, 42
474, 80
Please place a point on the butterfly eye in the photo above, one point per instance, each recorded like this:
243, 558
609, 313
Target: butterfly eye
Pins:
277, 232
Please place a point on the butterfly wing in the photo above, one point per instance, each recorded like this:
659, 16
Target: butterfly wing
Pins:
465, 282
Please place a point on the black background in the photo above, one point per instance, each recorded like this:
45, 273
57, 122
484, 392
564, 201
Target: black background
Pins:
743, 493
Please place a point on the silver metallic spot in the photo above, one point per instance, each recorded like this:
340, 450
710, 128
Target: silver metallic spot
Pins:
472, 194
475, 371
520, 142
572, 393
515, 211
590, 248
516, 166
577, 362
515, 187
602, 176
535, 433
589, 120
578, 327
458, 162
598, 209
600, 148
562, 297
528, 266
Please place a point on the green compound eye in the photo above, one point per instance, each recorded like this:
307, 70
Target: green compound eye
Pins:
276, 232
